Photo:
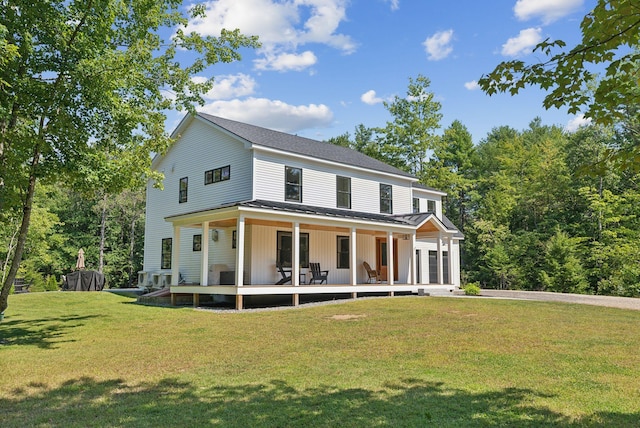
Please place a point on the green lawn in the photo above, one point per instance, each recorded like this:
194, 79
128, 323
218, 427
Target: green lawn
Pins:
97, 360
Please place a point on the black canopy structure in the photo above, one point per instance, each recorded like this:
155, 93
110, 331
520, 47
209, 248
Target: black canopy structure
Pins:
84, 280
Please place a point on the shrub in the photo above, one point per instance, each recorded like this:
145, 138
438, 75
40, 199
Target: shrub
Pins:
472, 289
51, 284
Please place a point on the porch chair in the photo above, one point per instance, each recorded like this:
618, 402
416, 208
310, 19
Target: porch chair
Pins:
373, 274
317, 274
283, 274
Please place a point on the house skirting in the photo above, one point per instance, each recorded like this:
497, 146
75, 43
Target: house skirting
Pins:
295, 291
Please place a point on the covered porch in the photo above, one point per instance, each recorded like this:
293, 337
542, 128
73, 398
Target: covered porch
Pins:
241, 246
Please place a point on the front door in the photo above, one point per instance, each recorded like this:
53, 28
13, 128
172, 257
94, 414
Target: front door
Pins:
381, 258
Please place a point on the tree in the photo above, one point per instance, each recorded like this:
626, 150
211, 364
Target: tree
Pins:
451, 170
562, 271
89, 80
610, 36
406, 140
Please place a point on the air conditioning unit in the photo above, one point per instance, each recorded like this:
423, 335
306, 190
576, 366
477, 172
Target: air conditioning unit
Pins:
165, 279
156, 281
144, 279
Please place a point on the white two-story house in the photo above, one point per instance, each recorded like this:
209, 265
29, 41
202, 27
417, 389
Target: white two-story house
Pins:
246, 210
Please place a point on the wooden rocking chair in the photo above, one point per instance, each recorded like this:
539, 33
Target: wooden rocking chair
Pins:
373, 274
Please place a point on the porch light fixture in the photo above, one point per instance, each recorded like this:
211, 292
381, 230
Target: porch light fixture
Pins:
214, 235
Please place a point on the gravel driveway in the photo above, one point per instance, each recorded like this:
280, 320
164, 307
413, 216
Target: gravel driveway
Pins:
610, 301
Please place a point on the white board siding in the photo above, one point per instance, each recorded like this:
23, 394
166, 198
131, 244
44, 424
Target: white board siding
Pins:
424, 195
322, 249
319, 184
200, 148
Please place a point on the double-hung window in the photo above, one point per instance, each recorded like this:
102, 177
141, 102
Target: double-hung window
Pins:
431, 206
284, 249
343, 192
184, 185
343, 252
167, 246
416, 205
292, 184
386, 200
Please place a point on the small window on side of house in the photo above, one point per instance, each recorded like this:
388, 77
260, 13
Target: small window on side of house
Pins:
184, 185
431, 206
217, 175
197, 243
167, 247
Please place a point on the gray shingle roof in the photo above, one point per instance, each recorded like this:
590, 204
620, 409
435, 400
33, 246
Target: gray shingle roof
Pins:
302, 146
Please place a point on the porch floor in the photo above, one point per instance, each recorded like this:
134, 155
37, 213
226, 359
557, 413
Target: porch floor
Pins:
294, 291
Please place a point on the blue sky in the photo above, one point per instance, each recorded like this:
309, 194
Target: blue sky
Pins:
325, 66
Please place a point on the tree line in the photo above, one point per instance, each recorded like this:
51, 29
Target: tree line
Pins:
541, 208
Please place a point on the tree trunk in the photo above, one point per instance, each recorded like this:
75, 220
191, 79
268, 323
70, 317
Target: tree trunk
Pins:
132, 243
22, 235
103, 227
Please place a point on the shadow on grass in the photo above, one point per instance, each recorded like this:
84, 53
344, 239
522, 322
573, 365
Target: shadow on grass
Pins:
43, 333
87, 402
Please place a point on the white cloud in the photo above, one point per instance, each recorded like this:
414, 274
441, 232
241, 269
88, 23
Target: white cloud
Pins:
229, 86
523, 43
472, 86
283, 26
439, 46
272, 114
548, 10
577, 122
370, 98
395, 4
286, 61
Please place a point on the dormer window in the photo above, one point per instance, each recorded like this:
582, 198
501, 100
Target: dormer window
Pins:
292, 184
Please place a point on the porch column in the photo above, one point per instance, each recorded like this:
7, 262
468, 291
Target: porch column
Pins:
390, 265
440, 278
412, 268
295, 257
204, 256
450, 250
240, 254
353, 271
175, 256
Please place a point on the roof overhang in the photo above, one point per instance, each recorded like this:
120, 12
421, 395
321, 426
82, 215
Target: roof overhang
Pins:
277, 212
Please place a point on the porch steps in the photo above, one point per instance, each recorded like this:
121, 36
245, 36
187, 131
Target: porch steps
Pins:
157, 297
436, 292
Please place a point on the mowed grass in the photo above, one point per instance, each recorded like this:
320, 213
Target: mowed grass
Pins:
98, 360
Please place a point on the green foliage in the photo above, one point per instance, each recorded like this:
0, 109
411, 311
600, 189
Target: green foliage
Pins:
84, 88
562, 270
472, 289
450, 169
609, 36
51, 283
405, 140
